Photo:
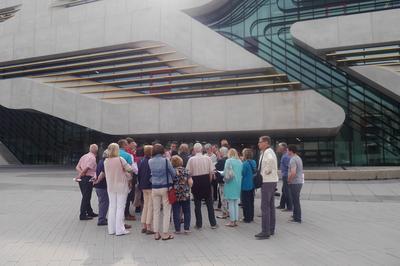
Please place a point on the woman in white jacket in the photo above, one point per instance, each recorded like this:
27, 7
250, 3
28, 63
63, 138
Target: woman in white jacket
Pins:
118, 174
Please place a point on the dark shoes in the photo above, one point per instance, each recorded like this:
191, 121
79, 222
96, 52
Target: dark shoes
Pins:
262, 235
149, 232
295, 221
93, 215
85, 218
102, 224
280, 208
130, 218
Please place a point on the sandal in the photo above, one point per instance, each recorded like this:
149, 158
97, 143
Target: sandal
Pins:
230, 224
157, 237
144, 230
149, 232
168, 238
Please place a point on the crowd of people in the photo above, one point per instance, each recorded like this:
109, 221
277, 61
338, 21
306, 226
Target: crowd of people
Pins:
153, 181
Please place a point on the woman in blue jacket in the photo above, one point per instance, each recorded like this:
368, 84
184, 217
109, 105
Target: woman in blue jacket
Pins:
232, 187
249, 168
162, 175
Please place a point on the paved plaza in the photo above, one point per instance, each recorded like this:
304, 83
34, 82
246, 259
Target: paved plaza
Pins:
345, 223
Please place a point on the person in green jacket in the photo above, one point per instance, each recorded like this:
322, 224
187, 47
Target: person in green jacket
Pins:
233, 183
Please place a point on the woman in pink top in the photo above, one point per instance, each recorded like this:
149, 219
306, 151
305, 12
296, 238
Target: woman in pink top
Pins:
118, 173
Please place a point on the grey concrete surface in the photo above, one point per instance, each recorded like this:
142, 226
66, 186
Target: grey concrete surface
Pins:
386, 79
344, 223
349, 31
353, 173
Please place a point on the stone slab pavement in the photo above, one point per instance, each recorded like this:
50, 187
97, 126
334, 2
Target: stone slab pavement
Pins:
345, 223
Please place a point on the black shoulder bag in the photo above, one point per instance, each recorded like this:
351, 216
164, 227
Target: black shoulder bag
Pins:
257, 177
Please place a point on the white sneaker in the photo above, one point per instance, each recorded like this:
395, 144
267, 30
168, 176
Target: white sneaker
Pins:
124, 233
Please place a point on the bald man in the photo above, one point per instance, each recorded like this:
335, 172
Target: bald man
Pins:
86, 168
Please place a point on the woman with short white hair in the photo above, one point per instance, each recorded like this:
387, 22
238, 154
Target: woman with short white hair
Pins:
118, 175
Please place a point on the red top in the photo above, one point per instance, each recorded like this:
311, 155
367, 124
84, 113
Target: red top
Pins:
135, 158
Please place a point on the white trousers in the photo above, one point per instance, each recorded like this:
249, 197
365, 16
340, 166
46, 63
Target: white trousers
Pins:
116, 213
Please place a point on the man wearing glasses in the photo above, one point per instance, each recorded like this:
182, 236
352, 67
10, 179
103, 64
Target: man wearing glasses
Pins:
268, 165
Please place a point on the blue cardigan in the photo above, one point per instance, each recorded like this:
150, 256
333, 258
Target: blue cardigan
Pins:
247, 173
144, 174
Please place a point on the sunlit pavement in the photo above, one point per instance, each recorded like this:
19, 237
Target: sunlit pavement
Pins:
344, 223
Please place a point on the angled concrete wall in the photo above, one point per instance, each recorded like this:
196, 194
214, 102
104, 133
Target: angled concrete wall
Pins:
348, 31
354, 31
385, 79
306, 112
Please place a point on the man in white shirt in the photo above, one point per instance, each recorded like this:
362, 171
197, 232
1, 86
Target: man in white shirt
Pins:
201, 169
268, 165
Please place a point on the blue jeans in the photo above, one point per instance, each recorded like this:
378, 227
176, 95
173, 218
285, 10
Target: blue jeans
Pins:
102, 195
286, 198
233, 206
176, 210
295, 190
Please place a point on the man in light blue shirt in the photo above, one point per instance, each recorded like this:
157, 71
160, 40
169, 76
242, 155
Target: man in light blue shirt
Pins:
286, 198
123, 145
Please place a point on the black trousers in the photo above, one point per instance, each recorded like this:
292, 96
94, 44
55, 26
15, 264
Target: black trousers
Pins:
286, 198
86, 188
268, 219
295, 190
129, 199
219, 197
248, 205
210, 210
214, 185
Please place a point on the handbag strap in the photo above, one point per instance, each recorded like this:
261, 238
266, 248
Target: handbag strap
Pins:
122, 165
262, 157
254, 170
167, 171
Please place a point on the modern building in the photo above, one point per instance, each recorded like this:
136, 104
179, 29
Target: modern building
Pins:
322, 75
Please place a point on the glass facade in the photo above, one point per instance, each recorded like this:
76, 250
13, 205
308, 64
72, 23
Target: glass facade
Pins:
37, 138
371, 133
